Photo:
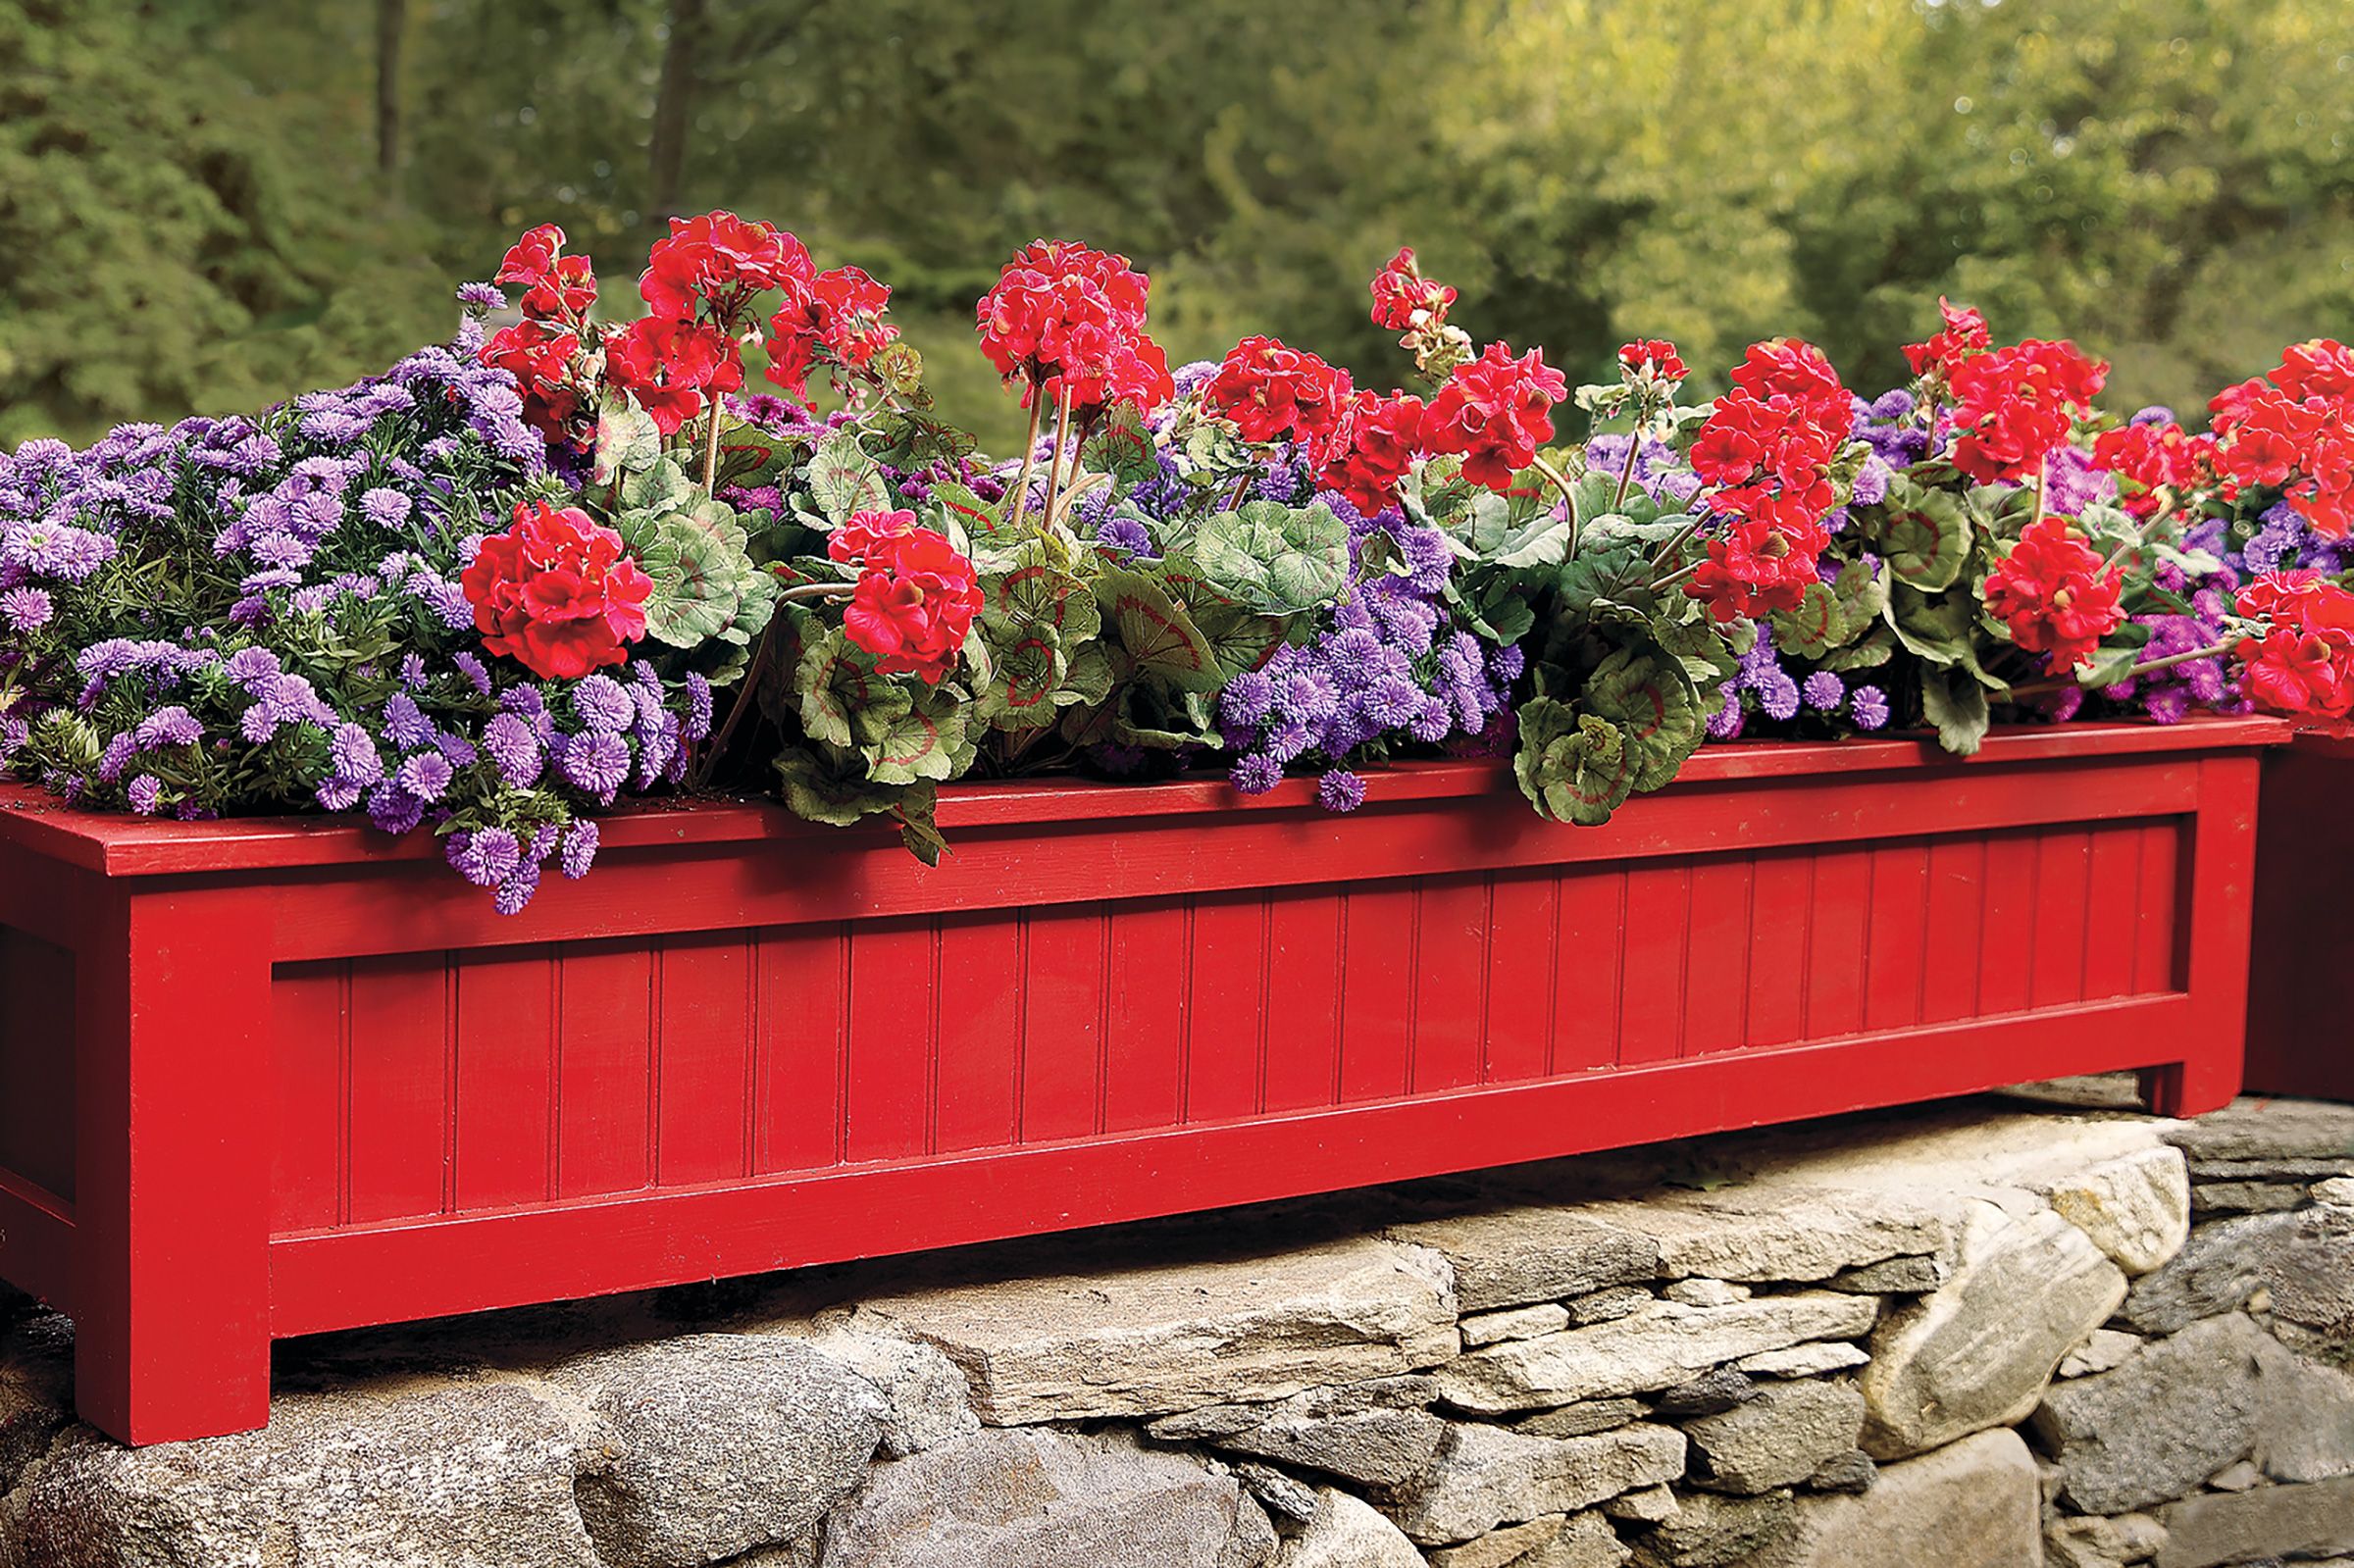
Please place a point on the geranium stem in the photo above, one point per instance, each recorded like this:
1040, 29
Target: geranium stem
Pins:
2036, 688
1675, 576
1062, 435
711, 448
1560, 483
1021, 487
1674, 542
802, 593
1626, 473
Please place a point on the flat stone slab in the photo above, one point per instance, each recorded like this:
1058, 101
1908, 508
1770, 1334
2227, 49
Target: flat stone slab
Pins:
2254, 1128
1974, 1504
1486, 1477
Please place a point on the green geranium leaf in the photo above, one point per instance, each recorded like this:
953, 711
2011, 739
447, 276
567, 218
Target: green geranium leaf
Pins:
837, 680
1158, 636
1123, 448
1834, 614
1572, 767
844, 479
1875, 650
1274, 558
704, 581
829, 785
1935, 627
1923, 535
627, 437
659, 487
1617, 571
1238, 639
1649, 697
922, 736
1955, 703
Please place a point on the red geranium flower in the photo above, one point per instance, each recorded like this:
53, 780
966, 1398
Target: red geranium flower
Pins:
1757, 566
1964, 333
839, 312
2303, 666
2056, 594
914, 603
2158, 459
2304, 448
540, 357
1271, 390
1403, 300
721, 260
865, 532
669, 367
1069, 321
1496, 410
557, 593
1655, 354
1372, 449
2319, 367
2014, 405
1791, 367
532, 257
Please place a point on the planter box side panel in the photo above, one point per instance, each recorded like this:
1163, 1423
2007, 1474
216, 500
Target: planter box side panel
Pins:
486, 1079
2297, 1040
36, 1062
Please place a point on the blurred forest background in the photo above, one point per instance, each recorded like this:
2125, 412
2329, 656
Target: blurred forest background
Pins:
206, 205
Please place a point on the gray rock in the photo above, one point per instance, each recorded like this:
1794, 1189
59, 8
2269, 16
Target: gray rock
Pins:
1816, 1360
1347, 1533
2246, 1198
2218, 1270
2337, 1191
2102, 1542
2170, 1416
1487, 1476
1707, 1292
1514, 1322
37, 1387
1649, 1506
1914, 1275
1148, 1340
1977, 1352
723, 1441
927, 1401
1410, 1391
1282, 1497
2237, 1477
1973, 1504
2310, 1272
2135, 1209
1582, 1419
1713, 1531
1376, 1434
1578, 1541
2260, 1129
1657, 1347
1509, 1258
1853, 1471
1778, 1231
2304, 1420
2290, 1521
2102, 1349
1779, 1438
402, 1473
1609, 1306
2300, 1171
1047, 1499
1717, 1390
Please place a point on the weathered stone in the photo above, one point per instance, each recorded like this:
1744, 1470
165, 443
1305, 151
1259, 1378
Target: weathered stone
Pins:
1410, 1391
1778, 1230
2219, 1267
1578, 1541
2338, 1191
1514, 1322
1147, 1340
1973, 1504
2102, 1349
2290, 1521
1047, 1499
1717, 1390
2170, 1416
1895, 1277
2237, 1477
2270, 1170
2309, 1273
1607, 1306
2102, 1542
1280, 1495
1663, 1344
37, 1393
1851, 1471
1815, 1360
1713, 1531
1512, 1256
1346, 1532
1487, 1476
1648, 1506
473, 1474
2135, 1209
1707, 1292
2253, 1128
1776, 1439
2304, 1420
2246, 1198
1977, 1352
1583, 1418
1376, 1434
723, 1441
927, 1401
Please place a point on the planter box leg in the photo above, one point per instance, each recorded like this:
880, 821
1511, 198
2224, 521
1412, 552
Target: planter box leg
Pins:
2215, 964
172, 1327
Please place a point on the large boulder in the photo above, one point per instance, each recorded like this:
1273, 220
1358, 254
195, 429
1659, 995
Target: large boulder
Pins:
1047, 1499
2218, 1270
2174, 1413
1977, 1351
719, 1443
1488, 1476
1148, 1339
2135, 1209
1658, 1346
1973, 1504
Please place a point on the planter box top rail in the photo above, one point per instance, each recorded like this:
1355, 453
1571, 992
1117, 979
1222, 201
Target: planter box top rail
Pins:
118, 846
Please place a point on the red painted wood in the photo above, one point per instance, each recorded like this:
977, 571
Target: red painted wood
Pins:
758, 1046
2303, 922
36, 1061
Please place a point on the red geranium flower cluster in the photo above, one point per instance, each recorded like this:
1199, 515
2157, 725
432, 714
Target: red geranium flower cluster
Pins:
712, 267
916, 595
2056, 594
2159, 462
542, 351
835, 315
671, 366
556, 286
1496, 412
1371, 447
557, 592
1273, 391
2294, 432
1654, 354
1964, 334
1766, 449
2014, 405
2303, 666
1070, 320
1403, 300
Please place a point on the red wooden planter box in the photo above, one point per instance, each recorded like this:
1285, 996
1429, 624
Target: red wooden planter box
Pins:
2299, 1040
266, 1078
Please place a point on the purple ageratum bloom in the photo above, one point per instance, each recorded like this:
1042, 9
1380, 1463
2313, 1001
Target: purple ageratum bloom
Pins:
1777, 696
514, 749
146, 794
1871, 481
1126, 534
1341, 790
482, 296
1867, 706
597, 763
579, 851
1248, 698
1726, 722
1823, 690
1256, 774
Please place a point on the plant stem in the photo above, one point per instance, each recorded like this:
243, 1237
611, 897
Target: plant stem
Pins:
711, 450
1675, 576
802, 593
747, 697
2043, 485
1063, 434
1078, 488
1674, 542
1560, 483
1626, 473
2036, 688
2141, 534
1021, 488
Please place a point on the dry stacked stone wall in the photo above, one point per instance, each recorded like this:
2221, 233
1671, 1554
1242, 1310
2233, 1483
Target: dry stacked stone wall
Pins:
1988, 1334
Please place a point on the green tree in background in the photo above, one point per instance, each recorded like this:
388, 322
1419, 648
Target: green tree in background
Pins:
212, 203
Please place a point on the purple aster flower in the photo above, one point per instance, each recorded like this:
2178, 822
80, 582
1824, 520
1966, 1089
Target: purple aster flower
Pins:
352, 752
579, 848
171, 725
427, 775
486, 857
514, 749
1256, 774
395, 810
482, 296
405, 723
336, 795
517, 890
1868, 707
1248, 698
385, 508
117, 756
146, 794
1341, 790
597, 762
478, 676
25, 609
603, 704
1823, 690
1125, 533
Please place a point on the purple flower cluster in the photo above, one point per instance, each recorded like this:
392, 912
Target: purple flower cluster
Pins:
1764, 687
